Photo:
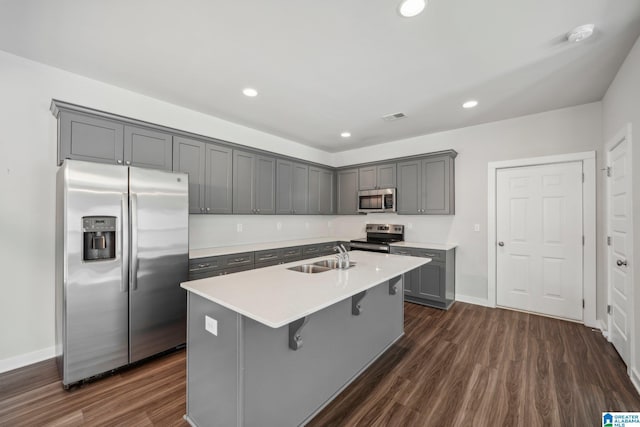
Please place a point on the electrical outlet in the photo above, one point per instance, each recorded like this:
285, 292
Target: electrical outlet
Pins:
211, 325
279, 226
410, 225
306, 225
239, 228
476, 227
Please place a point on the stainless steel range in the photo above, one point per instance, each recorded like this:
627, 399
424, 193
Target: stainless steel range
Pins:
379, 236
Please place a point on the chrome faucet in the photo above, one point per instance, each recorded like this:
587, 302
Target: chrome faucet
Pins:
342, 256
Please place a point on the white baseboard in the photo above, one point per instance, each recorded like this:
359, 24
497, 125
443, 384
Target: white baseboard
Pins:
635, 379
603, 328
21, 360
473, 300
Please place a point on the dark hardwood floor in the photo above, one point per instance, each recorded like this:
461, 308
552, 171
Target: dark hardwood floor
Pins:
470, 366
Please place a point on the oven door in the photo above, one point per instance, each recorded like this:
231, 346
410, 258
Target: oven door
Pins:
369, 246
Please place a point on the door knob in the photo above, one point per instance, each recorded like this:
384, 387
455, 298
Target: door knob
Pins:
500, 243
620, 263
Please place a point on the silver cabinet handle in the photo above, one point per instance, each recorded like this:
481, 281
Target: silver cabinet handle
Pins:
208, 209
500, 243
429, 255
133, 278
262, 258
124, 241
258, 210
620, 263
119, 162
203, 265
128, 162
201, 209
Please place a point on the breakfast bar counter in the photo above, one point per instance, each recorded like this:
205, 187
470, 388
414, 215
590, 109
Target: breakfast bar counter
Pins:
272, 347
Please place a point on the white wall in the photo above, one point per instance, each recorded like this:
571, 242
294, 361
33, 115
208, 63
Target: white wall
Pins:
567, 130
27, 190
621, 105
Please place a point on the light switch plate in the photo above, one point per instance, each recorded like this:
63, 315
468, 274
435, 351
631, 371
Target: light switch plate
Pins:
211, 325
476, 227
239, 228
279, 225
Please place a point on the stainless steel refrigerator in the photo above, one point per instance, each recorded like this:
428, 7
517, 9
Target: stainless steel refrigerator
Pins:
122, 251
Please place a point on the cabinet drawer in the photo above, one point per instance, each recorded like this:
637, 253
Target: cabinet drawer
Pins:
268, 263
397, 251
327, 248
311, 251
292, 254
238, 260
435, 255
267, 255
209, 263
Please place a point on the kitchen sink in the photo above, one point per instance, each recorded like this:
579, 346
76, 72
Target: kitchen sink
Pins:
309, 268
331, 263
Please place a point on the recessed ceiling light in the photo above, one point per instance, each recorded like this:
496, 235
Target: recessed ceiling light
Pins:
251, 92
345, 134
580, 33
411, 8
470, 104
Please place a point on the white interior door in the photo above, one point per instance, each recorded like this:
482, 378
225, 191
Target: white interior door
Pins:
539, 239
619, 256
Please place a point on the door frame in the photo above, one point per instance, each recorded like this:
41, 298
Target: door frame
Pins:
622, 134
588, 159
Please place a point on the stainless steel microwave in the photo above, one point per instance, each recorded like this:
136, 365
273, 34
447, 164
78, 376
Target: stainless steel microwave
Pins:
380, 200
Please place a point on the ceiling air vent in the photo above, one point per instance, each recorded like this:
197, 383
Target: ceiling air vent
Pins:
394, 116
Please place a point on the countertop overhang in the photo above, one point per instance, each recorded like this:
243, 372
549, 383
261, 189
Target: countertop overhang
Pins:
276, 296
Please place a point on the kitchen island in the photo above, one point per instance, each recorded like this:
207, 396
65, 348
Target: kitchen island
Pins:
272, 347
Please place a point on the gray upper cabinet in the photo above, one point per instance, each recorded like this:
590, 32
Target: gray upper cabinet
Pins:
189, 157
147, 148
218, 179
426, 185
254, 183
292, 187
377, 176
209, 169
284, 187
348, 192
93, 139
321, 191
300, 188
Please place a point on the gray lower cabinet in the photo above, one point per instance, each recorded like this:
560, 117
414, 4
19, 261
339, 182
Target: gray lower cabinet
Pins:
210, 179
321, 191
201, 268
254, 183
377, 176
425, 186
348, 192
292, 187
432, 284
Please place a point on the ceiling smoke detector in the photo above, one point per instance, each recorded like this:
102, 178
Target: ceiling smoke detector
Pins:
580, 33
394, 116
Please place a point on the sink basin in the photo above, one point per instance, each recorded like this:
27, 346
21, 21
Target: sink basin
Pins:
331, 263
309, 268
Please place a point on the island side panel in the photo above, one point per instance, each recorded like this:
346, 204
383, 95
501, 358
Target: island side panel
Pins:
284, 387
213, 365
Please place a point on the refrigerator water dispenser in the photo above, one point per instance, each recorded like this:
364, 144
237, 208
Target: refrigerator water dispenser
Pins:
99, 238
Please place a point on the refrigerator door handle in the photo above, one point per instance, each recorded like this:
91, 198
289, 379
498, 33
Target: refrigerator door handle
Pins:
124, 241
133, 279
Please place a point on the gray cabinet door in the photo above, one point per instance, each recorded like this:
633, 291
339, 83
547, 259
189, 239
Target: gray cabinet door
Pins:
284, 187
411, 281
314, 190
147, 148
386, 175
409, 192
243, 182
265, 185
326, 192
431, 282
218, 179
300, 188
436, 185
90, 138
348, 192
367, 178
189, 157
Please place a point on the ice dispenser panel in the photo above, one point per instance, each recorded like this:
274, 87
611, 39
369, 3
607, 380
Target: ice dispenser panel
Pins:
99, 238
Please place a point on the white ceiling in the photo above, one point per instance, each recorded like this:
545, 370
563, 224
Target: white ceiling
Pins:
323, 67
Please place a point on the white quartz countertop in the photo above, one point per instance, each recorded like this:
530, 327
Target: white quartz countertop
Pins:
275, 296
435, 246
252, 247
